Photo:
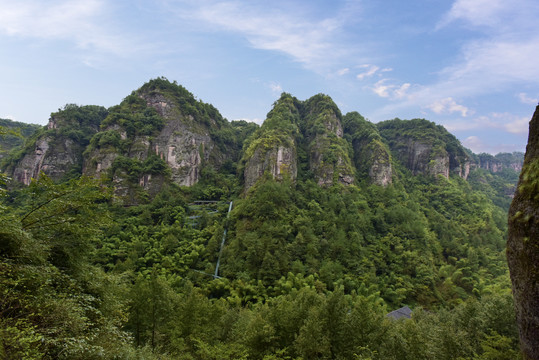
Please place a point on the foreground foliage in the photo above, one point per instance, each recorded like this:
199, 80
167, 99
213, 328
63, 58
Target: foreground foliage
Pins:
308, 273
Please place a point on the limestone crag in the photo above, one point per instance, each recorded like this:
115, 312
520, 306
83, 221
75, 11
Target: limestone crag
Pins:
31, 164
328, 159
272, 149
425, 148
58, 150
372, 157
184, 150
420, 158
523, 246
501, 161
159, 133
380, 172
279, 162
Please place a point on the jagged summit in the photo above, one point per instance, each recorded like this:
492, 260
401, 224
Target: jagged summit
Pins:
161, 134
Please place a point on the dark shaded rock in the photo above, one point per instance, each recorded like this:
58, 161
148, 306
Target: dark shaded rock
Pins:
523, 245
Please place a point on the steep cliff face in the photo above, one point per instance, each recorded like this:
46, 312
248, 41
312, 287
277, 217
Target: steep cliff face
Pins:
372, 158
501, 161
523, 245
312, 128
328, 156
159, 133
57, 150
273, 148
425, 148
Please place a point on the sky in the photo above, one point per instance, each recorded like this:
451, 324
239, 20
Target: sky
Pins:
469, 65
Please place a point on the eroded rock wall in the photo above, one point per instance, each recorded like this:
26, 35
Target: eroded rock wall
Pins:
523, 245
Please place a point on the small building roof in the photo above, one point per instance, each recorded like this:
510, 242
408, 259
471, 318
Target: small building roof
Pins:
403, 312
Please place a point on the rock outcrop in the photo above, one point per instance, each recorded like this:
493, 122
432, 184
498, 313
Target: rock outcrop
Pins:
328, 158
501, 161
425, 148
312, 127
273, 148
523, 245
372, 157
160, 132
58, 150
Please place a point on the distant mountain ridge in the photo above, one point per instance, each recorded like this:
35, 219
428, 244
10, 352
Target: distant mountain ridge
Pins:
161, 134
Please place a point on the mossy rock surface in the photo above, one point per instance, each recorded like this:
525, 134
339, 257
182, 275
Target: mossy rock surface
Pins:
523, 245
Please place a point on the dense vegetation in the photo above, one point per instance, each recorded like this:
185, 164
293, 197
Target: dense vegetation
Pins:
306, 271
16, 132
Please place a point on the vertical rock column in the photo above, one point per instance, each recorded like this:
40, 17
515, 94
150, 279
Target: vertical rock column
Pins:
523, 246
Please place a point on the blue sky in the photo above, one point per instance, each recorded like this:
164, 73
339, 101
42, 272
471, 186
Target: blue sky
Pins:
470, 65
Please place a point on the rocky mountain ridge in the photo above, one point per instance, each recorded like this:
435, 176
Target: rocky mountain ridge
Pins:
161, 134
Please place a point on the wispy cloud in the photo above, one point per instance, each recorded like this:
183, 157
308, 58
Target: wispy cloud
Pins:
81, 22
500, 56
525, 99
370, 70
504, 51
310, 40
507, 122
496, 15
478, 145
343, 71
275, 88
474, 143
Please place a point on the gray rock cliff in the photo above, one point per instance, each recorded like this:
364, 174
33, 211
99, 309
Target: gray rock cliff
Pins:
523, 245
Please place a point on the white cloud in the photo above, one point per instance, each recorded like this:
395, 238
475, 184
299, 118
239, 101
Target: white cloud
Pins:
448, 106
81, 22
275, 87
500, 57
506, 122
401, 91
480, 145
342, 72
513, 124
370, 71
525, 99
504, 52
314, 42
474, 143
477, 12
383, 89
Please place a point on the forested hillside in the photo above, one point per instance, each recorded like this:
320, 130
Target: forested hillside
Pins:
16, 132
174, 233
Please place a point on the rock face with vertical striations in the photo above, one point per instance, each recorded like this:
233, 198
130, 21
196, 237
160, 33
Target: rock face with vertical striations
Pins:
372, 157
523, 245
57, 150
272, 149
160, 133
425, 148
311, 128
329, 160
